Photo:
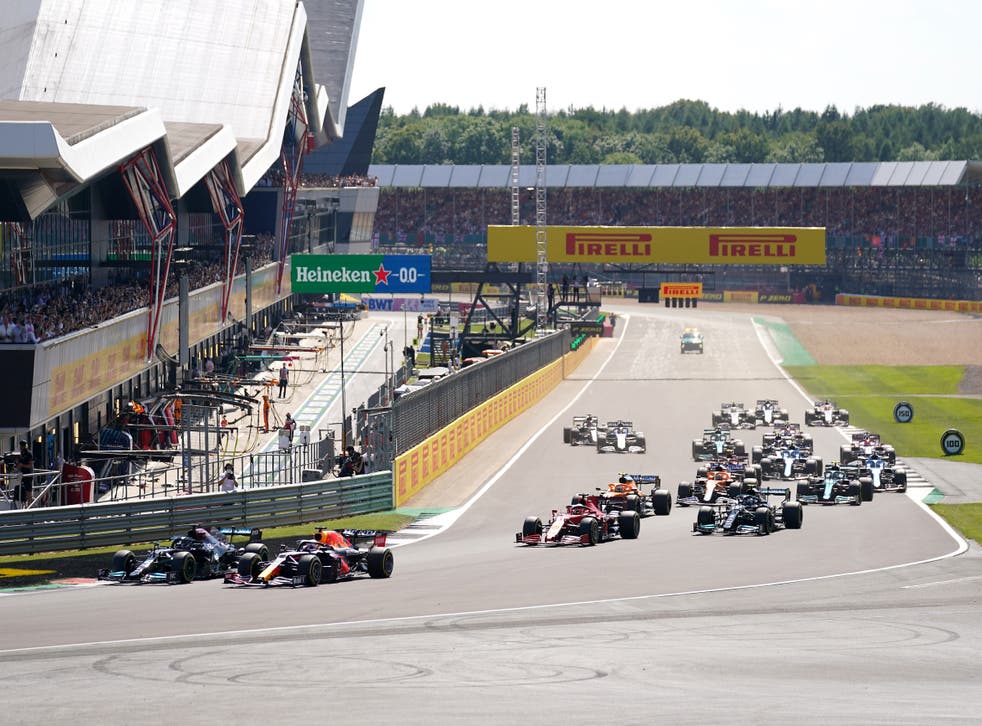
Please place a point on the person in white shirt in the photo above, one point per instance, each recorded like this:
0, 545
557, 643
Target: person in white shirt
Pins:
228, 482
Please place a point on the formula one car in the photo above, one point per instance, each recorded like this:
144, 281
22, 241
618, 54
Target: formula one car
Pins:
863, 446
886, 477
200, 554
784, 436
769, 413
584, 523
582, 432
840, 484
825, 413
720, 479
790, 463
627, 494
736, 415
621, 438
691, 340
749, 513
716, 443
332, 555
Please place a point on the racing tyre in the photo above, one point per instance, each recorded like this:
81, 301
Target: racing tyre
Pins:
309, 568
739, 449
260, 549
590, 527
811, 467
629, 524
696, 449
567, 439
706, 517
734, 490
845, 454
802, 490
185, 566
792, 514
633, 502
756, 454
533, 525
123, 561
855, 490
380, 563
900, 480
685, 491
844, 416
763, 518
250, 565
661, 502
866, 487
578, 499
702, 472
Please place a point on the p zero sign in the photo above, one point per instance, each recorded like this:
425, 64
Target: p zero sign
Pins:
359, 273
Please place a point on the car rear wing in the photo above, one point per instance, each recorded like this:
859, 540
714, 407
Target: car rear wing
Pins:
619, 424
653, 479
775, 492
377, 536
252, 533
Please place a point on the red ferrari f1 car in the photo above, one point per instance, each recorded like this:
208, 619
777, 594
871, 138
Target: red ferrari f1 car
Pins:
584, 523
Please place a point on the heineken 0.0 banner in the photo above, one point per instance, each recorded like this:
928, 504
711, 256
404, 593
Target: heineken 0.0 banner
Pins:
359, 273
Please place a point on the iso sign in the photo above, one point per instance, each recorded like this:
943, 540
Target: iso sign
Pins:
952, 442
903, 412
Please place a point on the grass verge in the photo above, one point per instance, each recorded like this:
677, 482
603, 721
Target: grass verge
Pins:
966, 518
871, 392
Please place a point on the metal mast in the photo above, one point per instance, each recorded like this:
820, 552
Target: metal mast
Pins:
516, 209
541, 263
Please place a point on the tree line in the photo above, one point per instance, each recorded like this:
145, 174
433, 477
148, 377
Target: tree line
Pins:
682, 132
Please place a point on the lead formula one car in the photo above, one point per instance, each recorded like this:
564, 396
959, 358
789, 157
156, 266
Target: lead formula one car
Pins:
769, 413
332, 555
736, 415
200, 554
583, 523
619, 437
749, 513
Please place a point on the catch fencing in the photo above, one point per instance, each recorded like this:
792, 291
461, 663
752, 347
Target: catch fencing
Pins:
30, 531
418, 414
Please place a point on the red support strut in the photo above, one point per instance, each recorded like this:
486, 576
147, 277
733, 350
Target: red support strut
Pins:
295, 146
141, 175
228, 206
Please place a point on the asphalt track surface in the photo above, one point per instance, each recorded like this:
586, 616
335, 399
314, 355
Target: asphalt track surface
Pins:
866, 615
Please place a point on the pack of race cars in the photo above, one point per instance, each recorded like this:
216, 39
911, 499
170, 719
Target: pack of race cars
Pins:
735, 493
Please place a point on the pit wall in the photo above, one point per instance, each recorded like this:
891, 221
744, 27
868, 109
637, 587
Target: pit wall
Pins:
422, 464
909, 303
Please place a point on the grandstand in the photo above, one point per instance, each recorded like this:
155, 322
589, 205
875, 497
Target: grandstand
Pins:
894, 228
134, 152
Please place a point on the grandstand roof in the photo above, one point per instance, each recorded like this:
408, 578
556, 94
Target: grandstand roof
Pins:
848, 174
91, 82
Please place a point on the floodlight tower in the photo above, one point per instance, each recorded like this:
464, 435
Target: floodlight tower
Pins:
541, 263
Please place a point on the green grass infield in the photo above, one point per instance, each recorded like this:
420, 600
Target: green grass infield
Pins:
966, 518
870, 394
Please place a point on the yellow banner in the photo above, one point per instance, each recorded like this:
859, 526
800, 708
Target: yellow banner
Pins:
681, 289
645, 245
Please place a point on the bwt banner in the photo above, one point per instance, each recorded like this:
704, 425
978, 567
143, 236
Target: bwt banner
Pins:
321, 274
409, 304
644, 245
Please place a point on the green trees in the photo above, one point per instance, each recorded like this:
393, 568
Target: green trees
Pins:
685, 131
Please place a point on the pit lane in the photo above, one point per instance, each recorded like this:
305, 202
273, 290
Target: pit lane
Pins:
471, 590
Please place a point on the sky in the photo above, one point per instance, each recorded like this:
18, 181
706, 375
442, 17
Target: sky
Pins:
757, 55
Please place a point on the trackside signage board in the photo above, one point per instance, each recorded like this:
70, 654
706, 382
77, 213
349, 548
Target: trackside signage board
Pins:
643, 245
359, 273
681, 289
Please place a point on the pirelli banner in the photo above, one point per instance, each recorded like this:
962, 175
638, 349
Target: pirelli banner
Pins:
645, 245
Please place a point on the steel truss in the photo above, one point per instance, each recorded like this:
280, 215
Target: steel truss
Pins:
20, 252
295, 146
228, 206
141, 174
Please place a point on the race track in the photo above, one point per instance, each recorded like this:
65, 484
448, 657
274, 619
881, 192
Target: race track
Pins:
475, 628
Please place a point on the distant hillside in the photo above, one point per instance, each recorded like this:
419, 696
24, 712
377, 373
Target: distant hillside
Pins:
683, 132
